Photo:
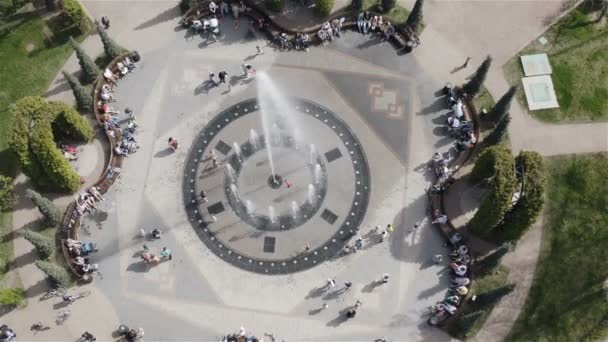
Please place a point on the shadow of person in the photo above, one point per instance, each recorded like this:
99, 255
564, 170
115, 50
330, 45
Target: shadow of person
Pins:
316, 292
371, 286
204, 87
315, 311
340, 319
138, 267
457, 69
248, 58
163, 153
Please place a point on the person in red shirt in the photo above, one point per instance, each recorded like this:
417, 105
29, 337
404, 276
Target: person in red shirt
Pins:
173, 143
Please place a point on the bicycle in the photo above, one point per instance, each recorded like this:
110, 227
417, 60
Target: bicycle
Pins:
63, 315
56, 292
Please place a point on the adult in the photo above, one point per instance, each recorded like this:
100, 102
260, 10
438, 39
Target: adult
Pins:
105, 21
224, 9
389, 31
173, 143
222, 75
212, 7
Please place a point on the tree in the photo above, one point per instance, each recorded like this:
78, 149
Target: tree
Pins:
50, 212
388, 5
111, 49
6, 193
44, 245
84, 101
324, 7
90, 72
492, 260
466, 322
504, 103
475, 83
499, 131
58, 275
492, 296
11, 296
356, 5
414, 20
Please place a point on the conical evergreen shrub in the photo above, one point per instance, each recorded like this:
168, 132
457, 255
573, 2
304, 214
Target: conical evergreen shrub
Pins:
44, 245
52, 215
57, 275
84, 100
414, 20
111, 49
475, 83
90, 72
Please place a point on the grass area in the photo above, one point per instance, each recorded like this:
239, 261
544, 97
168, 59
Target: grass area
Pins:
567, 301
484, 100
579, 59
481, 285
32, 51
398, 15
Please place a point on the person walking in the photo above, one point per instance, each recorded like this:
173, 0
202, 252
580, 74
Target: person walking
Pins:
259, 49
389, 228
347, 285
105, 21
384, 278
248, 70
166, 253
358, 304
383, 236
173, 144
331, 283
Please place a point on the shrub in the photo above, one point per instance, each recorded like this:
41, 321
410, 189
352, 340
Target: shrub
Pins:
44, 245
466, 322
11, 296
528, 207
57, 274
84, 101
489, 262
323, 8
31, 139
356, 5
388, 5
51, 214
275, 5
69, 123
495, 162
492, 296
111, 49
90, 72
75, 14
414, 20
6, 193
499, 132
474, 85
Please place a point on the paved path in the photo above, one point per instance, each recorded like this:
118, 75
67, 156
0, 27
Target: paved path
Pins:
498, 28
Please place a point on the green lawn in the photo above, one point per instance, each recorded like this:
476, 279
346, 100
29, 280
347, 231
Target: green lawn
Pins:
567, 302
30, 61
579, 59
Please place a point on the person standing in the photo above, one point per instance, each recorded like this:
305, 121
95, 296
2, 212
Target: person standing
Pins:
385, 278
204, 197
173, 143
383, 236
331, 283
222, 75
212, 79
259, 49
166, 253
105, 21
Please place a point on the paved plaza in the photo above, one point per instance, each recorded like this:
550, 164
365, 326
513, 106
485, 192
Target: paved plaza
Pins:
347, 140
350, 126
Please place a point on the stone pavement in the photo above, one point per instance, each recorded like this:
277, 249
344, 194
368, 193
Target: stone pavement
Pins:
186, 289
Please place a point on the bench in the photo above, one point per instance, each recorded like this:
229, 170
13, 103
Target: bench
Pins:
68, 260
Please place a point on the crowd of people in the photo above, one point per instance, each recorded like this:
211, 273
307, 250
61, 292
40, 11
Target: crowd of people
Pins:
367, 23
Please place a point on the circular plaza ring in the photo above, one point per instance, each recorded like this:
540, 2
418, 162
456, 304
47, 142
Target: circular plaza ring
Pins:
317, 197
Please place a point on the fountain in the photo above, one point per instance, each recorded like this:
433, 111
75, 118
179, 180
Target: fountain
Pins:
318, 173
253, 139
272, 215
250, 207
237, 150
313, 154
276, 134
294, 210
310, 195
229, 172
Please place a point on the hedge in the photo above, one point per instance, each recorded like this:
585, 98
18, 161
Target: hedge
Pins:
90, 72
75, 14
110, 47
6, 193
275, 5
31, 139
57, 274
496, 163
84, 101
323, 7
50, 212
528, 207
11, 296
44, 244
